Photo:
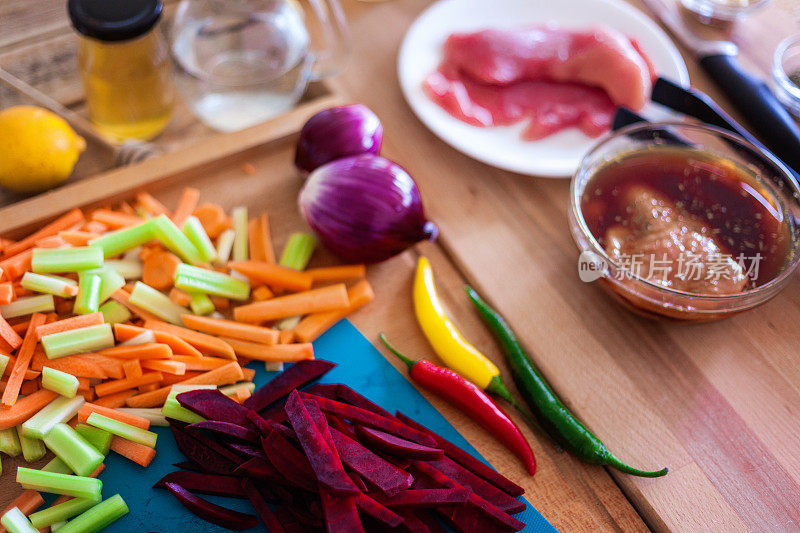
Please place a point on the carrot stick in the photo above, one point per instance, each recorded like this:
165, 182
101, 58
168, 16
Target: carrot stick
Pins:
180, 297
186, 205
111, 366
279, 352
266, 240
124, 297
26, 408
200, 363
113, 401
158, 269
337, 273
314, 325
255, 242
153, 350
213, 219
126, 208
119, 385
84, 384
220, 303
224, 375
172, 379
175, 368
75, 322
115, 220
150, 204
275, 276
24, 357
331, 298
20, 327
138, 453
77, 366
229, 328
93, 226
248, 373
66, 221
77, 238
286, 337
6, 293
262, 293
14, 267
201, 341
123, 332
134, 420
29, 387
9, 334
132, 369
149, 387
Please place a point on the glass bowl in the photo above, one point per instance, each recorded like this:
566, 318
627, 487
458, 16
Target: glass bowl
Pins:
653, 299
785, 66
721, 12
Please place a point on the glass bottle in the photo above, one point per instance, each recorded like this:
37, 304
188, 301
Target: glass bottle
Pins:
125, 66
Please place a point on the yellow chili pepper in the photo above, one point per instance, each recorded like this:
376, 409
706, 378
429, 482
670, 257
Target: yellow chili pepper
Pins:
446, 340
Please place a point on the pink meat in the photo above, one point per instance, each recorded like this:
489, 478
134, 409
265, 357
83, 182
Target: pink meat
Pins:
554, 78
600, 57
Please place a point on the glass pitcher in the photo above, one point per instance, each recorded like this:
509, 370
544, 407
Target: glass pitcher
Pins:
241, 62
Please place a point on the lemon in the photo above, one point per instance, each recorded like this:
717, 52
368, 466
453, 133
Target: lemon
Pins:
38, 149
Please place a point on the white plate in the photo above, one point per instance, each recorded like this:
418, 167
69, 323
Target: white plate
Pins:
554, 156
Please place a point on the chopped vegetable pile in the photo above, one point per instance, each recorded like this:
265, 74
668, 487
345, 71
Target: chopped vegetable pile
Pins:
107, 316
328, 458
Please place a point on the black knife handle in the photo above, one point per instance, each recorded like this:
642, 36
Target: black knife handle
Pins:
755, 101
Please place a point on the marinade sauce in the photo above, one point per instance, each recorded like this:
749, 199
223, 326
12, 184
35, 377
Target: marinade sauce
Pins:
714, 197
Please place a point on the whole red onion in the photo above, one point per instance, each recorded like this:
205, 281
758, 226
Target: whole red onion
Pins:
338, 132
365, 208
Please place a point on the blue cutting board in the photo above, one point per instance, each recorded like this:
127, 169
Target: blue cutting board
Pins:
360, 366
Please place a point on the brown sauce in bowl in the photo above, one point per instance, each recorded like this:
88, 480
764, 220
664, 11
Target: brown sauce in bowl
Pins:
688, 220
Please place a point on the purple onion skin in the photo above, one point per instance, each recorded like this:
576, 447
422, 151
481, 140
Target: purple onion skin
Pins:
365, 208
338, 132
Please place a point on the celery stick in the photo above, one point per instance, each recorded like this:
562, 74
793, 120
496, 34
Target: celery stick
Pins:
111, 281
27, 305
88, 299
32, 449
98, 438
9, 442
240, 242
58, 466
231, 390
78, 486
224, 246
152, 414
157, 303
4, 359
98, 517
16, 522
121, 429
173, 409
59, 410
175, 241
194, 279
287, 323
78, 340
46, 260
145, 337
73, 449
61, 512
125, 239
114, 312
60, 382
273, 366
298, 250
48, 284
194, 230
201, 304
127, 268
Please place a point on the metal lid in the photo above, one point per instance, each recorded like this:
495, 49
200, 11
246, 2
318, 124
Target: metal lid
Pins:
113, 20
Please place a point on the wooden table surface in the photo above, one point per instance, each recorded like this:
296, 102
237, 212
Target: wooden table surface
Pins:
718, 403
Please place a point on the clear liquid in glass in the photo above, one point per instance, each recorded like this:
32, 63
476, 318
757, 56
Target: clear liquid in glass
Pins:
239, 69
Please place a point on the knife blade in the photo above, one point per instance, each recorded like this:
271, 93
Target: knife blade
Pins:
751, 96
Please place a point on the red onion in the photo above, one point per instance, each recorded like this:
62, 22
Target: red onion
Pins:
365, 208
338, 132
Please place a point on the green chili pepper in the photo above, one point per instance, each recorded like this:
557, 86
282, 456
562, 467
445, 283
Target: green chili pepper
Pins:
552, 414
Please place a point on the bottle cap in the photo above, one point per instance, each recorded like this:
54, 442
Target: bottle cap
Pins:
114, 20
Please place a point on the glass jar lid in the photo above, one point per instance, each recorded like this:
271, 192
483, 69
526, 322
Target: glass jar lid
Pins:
108, 20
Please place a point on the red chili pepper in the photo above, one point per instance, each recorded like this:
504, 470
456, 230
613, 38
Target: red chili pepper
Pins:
472, 400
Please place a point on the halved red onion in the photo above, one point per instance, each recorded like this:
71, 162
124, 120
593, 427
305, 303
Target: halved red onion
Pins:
338, 132
365, 208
